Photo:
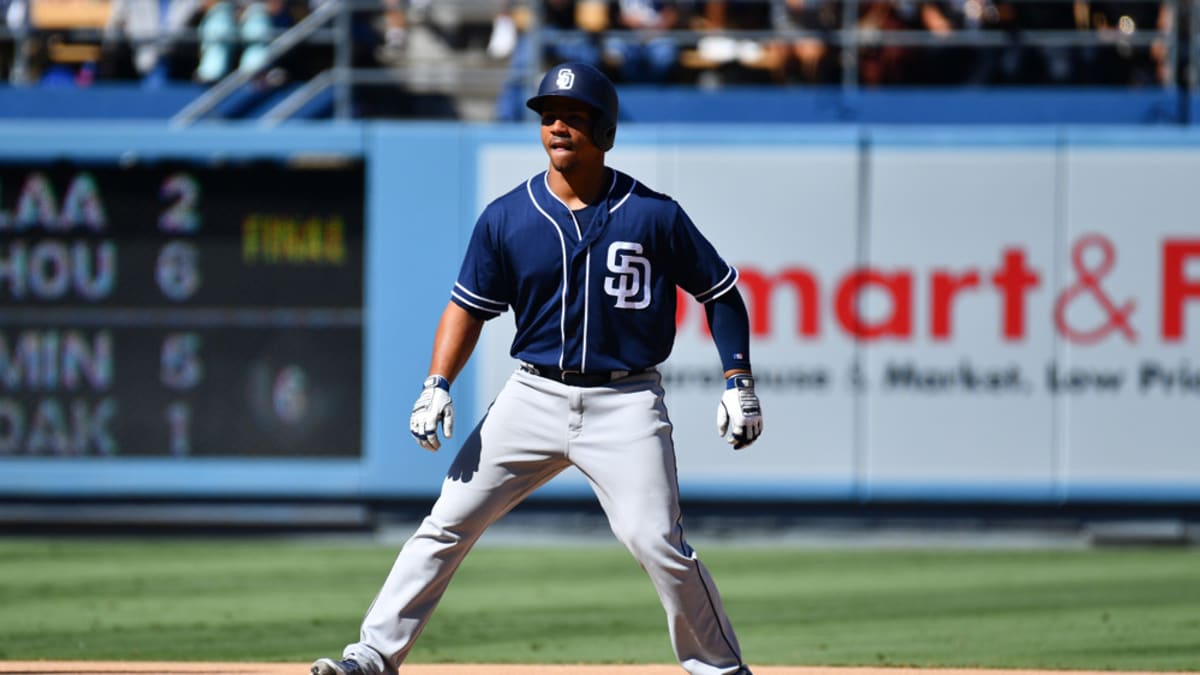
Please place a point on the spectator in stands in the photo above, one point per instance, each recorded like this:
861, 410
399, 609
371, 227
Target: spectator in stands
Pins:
647, 53
1118, 60
218, 34
725, 59
238, 33
43, 49
1054, 63
14, 15
736, 15
395, 31
880, 64
811, 60
144, 32
564, 38
368, 37
257, 27
503, 38
927, 62
1174, 21
241, 34
975, 64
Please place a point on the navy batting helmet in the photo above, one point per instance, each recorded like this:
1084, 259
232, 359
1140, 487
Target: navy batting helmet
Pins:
584, 83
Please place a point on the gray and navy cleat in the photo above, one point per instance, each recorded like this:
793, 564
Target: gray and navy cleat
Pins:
331, 667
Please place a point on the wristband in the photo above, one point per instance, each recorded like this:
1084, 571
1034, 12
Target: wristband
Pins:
740, 381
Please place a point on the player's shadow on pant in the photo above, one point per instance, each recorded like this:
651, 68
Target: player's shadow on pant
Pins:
466, 462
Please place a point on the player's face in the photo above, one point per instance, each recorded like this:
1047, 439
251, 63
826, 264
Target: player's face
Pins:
567, 134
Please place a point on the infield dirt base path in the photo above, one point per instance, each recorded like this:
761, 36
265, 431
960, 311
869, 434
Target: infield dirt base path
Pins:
119, 668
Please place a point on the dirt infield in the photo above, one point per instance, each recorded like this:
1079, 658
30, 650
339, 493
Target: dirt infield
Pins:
116, 668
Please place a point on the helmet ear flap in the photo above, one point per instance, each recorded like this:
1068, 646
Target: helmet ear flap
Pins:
604, 133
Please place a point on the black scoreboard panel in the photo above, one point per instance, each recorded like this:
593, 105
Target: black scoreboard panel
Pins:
185, 309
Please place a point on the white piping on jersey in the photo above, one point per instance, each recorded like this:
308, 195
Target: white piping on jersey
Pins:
496, 307
633, 184
587, 280
562, 319
587, 295
587, 298
716, 290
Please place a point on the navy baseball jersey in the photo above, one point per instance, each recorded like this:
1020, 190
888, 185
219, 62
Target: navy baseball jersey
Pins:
591, 296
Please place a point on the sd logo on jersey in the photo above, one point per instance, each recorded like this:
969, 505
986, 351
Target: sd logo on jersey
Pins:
631, 285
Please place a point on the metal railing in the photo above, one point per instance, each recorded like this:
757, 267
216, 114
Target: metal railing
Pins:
281, 45
330, 23
341, 77
850, 38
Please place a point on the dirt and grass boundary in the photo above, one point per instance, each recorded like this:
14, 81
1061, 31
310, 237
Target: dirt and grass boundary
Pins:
166, 668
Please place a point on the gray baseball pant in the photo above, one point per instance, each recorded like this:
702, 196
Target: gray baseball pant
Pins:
619, 437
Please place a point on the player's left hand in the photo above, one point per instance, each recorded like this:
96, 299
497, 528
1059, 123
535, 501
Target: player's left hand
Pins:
739, 417
432, 406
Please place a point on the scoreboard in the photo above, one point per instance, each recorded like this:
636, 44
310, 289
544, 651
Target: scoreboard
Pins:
181, 308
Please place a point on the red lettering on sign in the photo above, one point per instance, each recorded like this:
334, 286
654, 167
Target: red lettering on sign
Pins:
1176, 287
760, 288
1013, 279
946, 285
897, 286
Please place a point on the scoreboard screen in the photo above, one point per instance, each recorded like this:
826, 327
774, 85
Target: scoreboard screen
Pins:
181, 309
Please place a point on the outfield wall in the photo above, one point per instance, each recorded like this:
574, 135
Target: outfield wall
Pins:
938, 314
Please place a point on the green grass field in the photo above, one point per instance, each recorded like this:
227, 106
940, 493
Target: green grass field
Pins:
292, 600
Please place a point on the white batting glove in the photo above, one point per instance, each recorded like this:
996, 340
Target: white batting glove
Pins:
432, 406
739, 417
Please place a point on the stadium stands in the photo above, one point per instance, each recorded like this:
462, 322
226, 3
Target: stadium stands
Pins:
890, 61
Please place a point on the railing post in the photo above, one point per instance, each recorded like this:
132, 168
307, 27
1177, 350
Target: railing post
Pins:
537, 19
343, 101
849, 45
19, 70
1170, 76
1192, 74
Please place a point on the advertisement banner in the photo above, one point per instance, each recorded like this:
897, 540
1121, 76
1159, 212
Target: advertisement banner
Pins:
936, 314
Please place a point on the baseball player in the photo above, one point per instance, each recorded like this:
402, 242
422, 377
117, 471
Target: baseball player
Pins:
589, 260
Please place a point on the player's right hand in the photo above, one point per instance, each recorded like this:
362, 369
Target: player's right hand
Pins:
432, 406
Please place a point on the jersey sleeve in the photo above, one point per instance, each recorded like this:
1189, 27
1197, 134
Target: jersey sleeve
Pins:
700, 270
481, 288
